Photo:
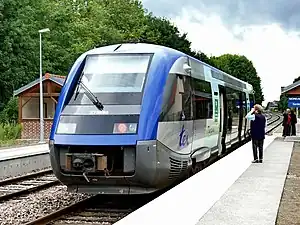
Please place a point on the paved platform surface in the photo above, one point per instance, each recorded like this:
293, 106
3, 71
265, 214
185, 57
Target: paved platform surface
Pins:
11, 153
255, 197
201, 197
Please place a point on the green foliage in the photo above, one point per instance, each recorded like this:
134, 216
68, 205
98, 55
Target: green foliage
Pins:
204, 58
19, 22
10, 112
10, 131
242, 68
162, 32
283, 103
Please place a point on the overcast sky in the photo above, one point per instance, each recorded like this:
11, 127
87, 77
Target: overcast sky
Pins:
266, 32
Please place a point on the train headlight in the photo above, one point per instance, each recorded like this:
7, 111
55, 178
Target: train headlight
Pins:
125, 128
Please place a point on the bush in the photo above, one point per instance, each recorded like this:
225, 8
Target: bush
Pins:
10, 112
10, 131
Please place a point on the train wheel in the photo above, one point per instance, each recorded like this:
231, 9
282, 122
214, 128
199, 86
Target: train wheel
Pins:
198, 167
190, 173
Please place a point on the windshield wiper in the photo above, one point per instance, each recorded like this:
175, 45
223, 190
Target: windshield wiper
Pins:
90, 95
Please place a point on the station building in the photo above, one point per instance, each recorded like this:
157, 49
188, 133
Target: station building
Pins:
29, 105
292, 92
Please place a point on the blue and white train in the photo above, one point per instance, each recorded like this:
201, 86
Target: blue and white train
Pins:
135, 118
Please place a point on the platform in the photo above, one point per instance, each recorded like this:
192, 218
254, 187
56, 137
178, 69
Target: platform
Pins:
278, 131
231, 191
254, 198
17, 152
21, 160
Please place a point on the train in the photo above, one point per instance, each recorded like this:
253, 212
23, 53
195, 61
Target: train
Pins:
135, 118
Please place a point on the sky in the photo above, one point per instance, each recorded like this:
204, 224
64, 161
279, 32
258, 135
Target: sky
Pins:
266, 32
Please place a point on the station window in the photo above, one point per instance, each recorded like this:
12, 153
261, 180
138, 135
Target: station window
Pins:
202, 99
176, 99
45, 110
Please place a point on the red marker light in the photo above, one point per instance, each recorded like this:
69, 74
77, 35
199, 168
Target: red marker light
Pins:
122, 128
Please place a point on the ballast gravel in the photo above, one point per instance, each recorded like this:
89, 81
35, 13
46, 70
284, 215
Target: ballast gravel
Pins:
30, 207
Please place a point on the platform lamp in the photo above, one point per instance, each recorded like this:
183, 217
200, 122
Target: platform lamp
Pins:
42, 141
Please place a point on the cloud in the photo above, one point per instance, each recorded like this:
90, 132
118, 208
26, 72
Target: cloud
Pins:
243, 12
274, 51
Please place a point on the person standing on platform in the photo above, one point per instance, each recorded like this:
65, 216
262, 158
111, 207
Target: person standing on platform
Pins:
293, 123
258, 123
286, 123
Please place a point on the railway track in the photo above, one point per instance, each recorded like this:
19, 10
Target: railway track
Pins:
275, 123
27, 184
268, 116
96, 210
95, 216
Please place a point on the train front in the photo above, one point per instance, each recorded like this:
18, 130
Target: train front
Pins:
103, 138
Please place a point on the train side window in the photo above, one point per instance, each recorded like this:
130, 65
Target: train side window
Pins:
202, 99
176, 104
243, 111
244, 104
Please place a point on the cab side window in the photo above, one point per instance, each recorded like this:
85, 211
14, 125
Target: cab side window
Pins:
176, 99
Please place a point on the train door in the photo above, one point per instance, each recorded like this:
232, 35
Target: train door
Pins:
233, 107
227, 117
223, 138
205, 133
250, 104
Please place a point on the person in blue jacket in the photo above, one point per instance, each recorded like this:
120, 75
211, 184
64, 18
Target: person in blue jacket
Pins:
258, 124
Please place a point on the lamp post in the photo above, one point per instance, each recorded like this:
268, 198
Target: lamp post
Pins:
41, 90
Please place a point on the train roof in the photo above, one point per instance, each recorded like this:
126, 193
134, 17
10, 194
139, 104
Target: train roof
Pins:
157, 49
134, 48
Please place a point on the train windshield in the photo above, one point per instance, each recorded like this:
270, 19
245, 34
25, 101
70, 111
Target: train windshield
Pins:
114, 84
114, 79
115, 73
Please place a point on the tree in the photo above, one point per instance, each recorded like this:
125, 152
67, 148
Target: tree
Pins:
10, 112
283, 102
18, 31
161, 31
242, 68
296, 79
202, 57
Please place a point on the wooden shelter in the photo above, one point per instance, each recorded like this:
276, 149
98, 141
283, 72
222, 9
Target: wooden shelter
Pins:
29, 105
